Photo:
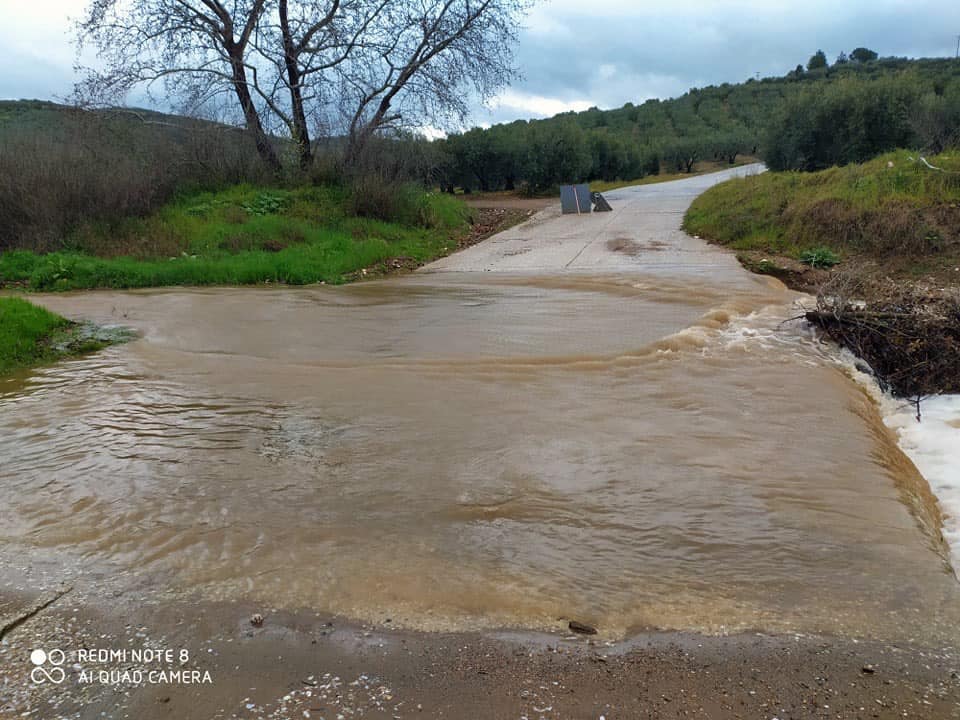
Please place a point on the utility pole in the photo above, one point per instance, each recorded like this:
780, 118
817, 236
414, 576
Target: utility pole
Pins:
958, 47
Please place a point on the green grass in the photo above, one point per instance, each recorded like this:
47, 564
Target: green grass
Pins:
889, 206
25, 331
31, 335
244, 235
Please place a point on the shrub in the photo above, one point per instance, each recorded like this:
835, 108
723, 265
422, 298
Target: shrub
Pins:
820, 257
61, 169
841, 123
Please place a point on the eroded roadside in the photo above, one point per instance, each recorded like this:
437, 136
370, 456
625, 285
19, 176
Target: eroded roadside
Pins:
309, 665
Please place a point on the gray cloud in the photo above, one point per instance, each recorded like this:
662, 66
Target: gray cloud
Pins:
575, 54
664, 49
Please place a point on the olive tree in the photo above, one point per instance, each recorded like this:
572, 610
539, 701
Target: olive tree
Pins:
817, 60
862, 54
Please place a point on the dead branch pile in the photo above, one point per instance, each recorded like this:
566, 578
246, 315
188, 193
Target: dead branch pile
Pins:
910, 337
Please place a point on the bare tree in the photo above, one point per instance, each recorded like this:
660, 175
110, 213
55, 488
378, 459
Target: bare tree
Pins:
304, 42
197, 49
296, 41
353, 67
420, 60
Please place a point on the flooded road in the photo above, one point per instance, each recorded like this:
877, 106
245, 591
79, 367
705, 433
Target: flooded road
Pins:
587, 417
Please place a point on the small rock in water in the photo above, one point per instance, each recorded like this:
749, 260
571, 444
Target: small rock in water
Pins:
868, 669
256, 620
579, 627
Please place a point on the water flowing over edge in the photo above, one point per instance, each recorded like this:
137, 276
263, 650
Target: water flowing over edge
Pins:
931, 443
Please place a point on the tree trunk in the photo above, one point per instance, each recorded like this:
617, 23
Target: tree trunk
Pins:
356, 144
301, 132
251, 116
359, 137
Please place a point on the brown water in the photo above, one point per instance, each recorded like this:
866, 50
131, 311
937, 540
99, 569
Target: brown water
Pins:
478, 450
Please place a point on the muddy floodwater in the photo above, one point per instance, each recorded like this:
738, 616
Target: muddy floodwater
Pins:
624, 434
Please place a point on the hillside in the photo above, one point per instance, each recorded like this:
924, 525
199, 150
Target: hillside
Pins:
44, 114
717, 122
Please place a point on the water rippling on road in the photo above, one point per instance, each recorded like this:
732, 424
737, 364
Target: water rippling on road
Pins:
458, 451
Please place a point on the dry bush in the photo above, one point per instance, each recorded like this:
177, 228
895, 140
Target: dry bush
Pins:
387, 179
910, 336
80, 168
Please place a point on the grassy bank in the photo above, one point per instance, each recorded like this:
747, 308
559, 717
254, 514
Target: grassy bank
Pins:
25, 330
247, 235
893, 209
31, 335
879, 243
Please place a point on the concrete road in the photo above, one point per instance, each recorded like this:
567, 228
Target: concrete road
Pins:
642, 233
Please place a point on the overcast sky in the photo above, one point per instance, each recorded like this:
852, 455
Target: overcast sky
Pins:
579, 53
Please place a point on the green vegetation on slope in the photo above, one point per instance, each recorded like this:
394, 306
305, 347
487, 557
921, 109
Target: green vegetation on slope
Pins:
246, 235
25, 331
806, 119
851, 120
892, 207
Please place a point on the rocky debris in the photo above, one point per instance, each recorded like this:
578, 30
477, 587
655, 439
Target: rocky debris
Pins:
256, 620
789, 271
490, 221
328, 696
582, 628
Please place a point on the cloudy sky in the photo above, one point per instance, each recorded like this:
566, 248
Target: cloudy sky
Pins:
577, 53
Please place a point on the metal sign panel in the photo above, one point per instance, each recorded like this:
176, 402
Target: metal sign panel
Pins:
575, 199
600, 203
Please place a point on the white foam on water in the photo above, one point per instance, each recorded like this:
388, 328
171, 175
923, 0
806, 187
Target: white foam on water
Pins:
933, 444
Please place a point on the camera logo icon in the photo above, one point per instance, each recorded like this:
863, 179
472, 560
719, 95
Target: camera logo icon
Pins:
47, 666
